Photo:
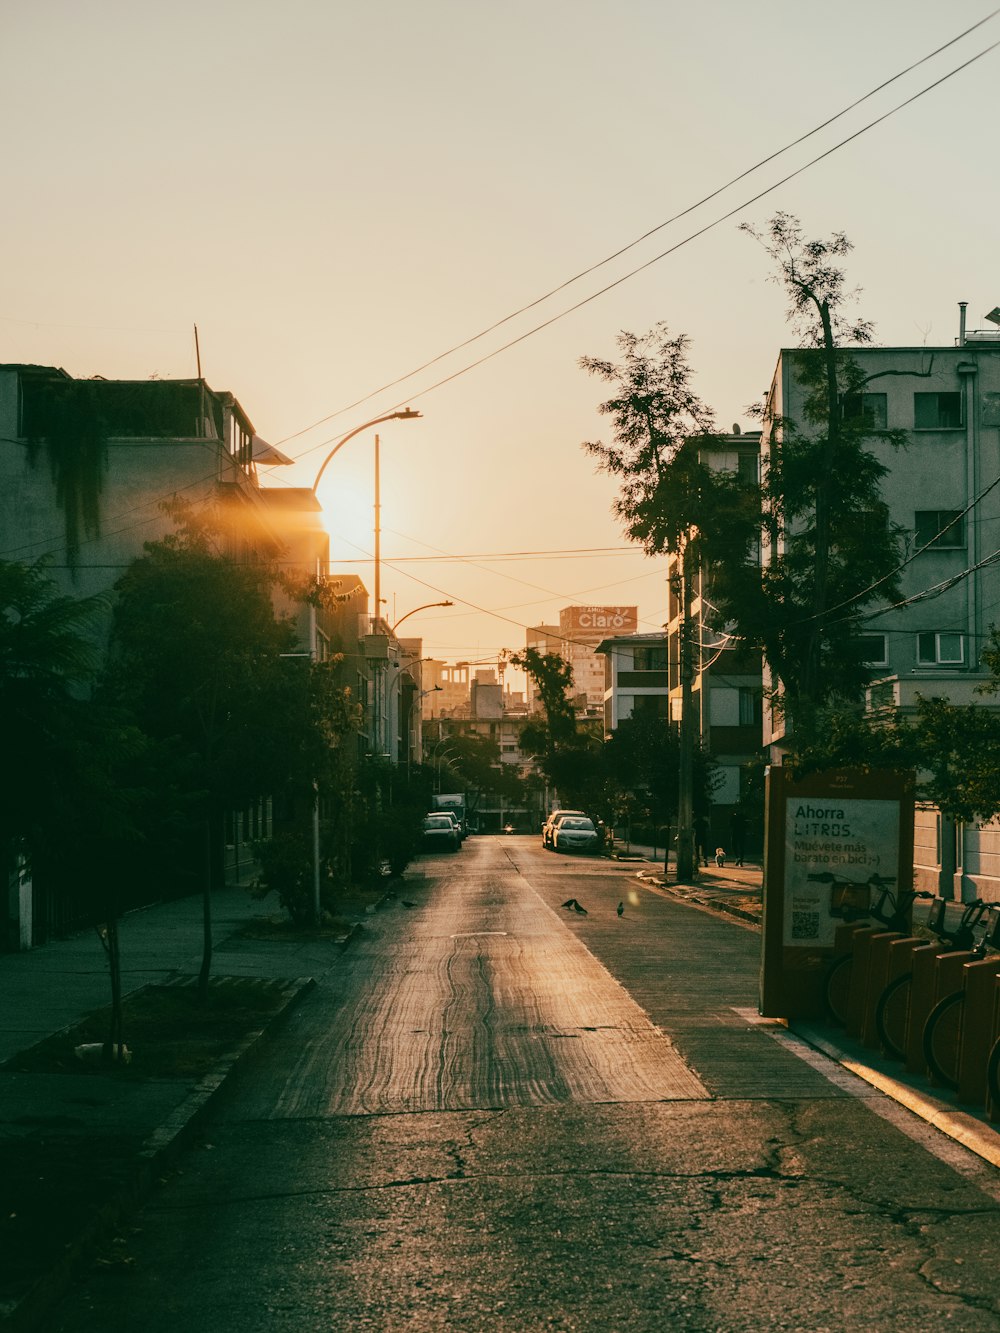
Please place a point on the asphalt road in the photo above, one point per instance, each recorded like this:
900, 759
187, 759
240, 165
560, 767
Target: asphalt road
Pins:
495, 1113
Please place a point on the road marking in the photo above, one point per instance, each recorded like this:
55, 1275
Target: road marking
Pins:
945, 1135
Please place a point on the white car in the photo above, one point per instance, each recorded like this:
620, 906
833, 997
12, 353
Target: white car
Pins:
575, 833
553, 821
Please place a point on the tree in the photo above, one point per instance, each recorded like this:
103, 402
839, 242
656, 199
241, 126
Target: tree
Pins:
553, 678
830, 549
670, 501
197, 658
46, 659
73, 793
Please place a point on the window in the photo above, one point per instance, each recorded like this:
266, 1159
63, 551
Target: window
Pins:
947, 649
649, 706
750, 706
867, 409
874, 649
939, 528
649, 659
937, 411
746, 468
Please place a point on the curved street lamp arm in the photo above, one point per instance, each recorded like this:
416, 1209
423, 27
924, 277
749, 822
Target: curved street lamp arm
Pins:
426, 606
406, 415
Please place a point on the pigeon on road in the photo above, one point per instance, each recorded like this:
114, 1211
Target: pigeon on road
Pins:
621, 909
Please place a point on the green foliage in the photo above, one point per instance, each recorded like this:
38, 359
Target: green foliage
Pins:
75, 436
553, 677
286, 868
643, 765
197, 657
45, 659
830, 549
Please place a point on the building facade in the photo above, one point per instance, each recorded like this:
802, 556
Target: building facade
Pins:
942, 490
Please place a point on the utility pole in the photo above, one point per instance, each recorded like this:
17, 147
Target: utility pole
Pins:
686, 868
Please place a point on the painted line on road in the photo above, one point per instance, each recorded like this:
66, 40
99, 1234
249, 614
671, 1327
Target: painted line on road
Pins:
954, 1138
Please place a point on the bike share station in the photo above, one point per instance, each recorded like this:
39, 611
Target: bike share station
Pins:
832, 840
839, 941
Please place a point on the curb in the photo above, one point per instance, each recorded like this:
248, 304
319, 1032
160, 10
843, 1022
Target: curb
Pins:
159, 1149
971, 1131
962, 1126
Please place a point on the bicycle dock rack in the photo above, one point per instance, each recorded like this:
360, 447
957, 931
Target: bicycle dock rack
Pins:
880, 948
925, 991
992, 1101
979, 981
865, 944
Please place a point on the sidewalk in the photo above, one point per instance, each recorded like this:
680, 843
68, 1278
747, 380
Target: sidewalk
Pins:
115, 1136
53, 987
738, 891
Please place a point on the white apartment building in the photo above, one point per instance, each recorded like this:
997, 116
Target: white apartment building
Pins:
943, 488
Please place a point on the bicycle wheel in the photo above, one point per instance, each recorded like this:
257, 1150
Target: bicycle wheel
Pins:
993, 1074
891, 1016
837, 987
943, 1039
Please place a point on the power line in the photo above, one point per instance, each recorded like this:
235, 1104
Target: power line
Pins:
641, 268
467, 342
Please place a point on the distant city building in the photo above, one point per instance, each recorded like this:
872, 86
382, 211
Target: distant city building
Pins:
575, 639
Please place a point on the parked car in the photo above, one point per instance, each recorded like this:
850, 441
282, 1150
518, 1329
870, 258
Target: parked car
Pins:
552, 823
459, 829
576, 833
440, 834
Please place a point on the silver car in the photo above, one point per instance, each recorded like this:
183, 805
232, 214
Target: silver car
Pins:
575, 833
552, 823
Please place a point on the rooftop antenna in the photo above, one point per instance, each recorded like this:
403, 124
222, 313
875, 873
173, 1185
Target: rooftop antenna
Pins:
201, 385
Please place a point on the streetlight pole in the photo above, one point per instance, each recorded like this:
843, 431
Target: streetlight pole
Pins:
426, 606
407, 414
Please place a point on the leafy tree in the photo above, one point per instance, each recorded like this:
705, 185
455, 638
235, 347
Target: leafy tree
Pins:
73, 790
831, 550
46, 659
197, 658
553, 678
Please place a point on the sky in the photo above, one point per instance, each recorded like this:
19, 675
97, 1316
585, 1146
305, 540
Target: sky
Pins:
339, 194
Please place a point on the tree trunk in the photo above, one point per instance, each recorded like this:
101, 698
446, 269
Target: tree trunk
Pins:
810, 690
206, 891
116, 1033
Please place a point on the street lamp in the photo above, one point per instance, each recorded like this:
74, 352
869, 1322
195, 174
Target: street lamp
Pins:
426, 607
407, 414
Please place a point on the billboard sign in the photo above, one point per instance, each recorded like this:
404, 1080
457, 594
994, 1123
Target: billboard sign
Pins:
834, 841
603, 620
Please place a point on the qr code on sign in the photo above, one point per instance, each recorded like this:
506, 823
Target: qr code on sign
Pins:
805, 925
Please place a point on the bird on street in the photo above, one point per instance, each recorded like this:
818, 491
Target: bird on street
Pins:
621, 909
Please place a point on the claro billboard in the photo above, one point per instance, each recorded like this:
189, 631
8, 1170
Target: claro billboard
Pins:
599, 619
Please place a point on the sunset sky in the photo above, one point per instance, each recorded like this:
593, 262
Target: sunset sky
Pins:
338, 194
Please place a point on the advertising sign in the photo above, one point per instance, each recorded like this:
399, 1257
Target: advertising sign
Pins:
834, 842
603, 620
